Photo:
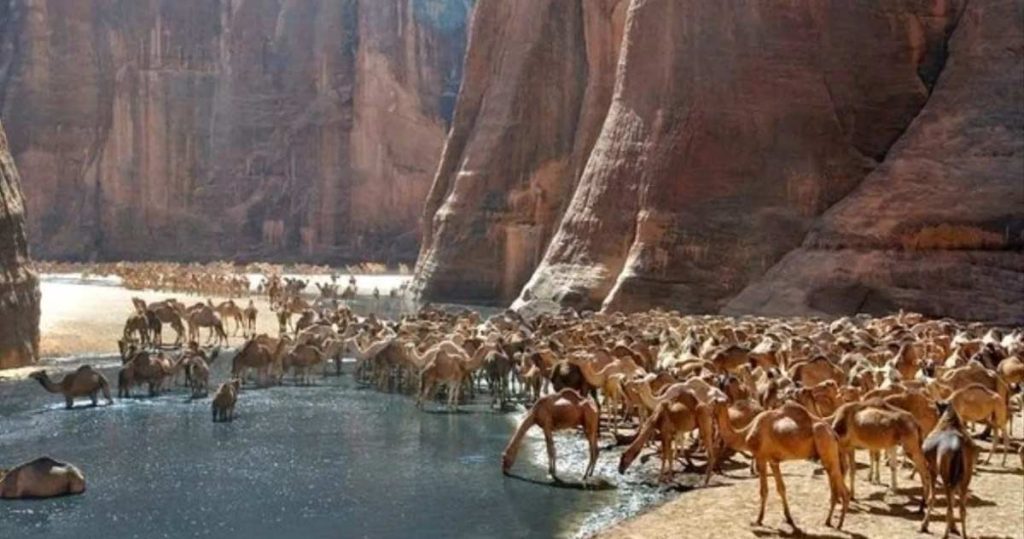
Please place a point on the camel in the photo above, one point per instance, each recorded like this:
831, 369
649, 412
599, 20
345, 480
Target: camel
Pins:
673, 419
249, 318
301, 359
443, 366
978, 404
197, 372
566, 409
142, 368
817, 370
253, 355
787, 433
169, 312
224, 400
84, 381
498, 368
876, 426
41, 478
203, 316
951, 455
228, 310
136, 326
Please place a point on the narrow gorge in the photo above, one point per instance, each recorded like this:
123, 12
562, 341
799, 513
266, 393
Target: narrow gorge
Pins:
746, 157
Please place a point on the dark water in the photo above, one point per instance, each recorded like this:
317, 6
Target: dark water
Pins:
326, 461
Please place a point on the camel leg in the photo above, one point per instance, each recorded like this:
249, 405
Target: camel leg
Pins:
69, 402
592, 431
893, 465
950, 525
852, 459
106, 392
780, 487
549, 440
762, 474
92, 397
962, 499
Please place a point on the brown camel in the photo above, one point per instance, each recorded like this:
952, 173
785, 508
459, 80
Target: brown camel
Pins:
141, 367
442, 365
566, 409
41, 478
170, 312
253, 355
224, 400
136, 326
876, 426
84, 381
228, 310
249, 317
817, 370
787, 433
203, 316
301, 359
981, 405
951, 454
673, 419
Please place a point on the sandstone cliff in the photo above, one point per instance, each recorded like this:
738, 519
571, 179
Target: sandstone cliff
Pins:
800, 157
19, 288
199, 129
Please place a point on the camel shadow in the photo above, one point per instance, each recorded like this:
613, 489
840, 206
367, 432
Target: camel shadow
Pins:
592, 484
1001, 471
763, 531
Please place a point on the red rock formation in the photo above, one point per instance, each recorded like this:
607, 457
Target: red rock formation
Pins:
538, 79
204, 129
733, 128
19, 288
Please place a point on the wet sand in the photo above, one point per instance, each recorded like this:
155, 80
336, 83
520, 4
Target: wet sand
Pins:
730, 505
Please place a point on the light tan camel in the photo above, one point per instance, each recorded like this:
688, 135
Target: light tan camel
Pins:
673, 419
951, 455
223, 405
564, 410
876, 426
83, 382
787, 433
817, 370
975, 403
442, 365
41, 478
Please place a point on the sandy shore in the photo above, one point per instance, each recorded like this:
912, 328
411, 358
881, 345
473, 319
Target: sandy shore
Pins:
729, 506
86, 316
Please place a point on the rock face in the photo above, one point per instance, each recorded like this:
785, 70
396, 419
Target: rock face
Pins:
198, 129
788, 158
19, 288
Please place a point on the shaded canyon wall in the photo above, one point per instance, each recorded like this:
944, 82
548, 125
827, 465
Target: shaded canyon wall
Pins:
752, 157
19, 288
200, 129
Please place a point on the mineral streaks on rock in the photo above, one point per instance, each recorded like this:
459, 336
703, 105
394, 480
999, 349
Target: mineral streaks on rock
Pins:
19, 287
204, 129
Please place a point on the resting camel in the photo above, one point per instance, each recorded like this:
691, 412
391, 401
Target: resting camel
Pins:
673, 418
951, 454
41, 478
787, 433
566, 409
981, 405
223, 404
876, 426
84, 381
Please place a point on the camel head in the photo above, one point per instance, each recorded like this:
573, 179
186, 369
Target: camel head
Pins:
40, 375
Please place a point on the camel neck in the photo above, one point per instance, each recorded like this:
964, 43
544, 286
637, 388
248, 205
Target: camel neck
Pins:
732, 438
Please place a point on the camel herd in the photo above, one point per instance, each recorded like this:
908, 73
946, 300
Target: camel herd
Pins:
901, 387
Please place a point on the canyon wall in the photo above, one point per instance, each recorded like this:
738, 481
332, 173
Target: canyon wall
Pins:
19, 288
754, 157
203, 129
